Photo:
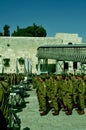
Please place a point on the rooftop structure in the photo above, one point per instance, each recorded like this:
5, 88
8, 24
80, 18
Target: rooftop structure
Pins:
66, 58
76, 53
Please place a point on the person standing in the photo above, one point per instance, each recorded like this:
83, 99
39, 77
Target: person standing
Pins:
55, 94
81, 95
4, 91
41, 92
69, 95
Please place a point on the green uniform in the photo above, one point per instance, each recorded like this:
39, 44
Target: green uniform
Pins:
34, 82
69, 94
75, 91
85, 88
63, 92
55, 95
81, 94
49, 89
41, 94
4, 98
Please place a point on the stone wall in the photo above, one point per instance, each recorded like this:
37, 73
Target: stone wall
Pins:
66, 37
26, 47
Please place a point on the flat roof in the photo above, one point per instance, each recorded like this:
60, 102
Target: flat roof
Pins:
63, 46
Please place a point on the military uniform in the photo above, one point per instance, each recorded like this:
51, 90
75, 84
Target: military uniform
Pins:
41, 94
75, 91
63, 93
4, 90
35, 82
69, 96
55, 95
36, 85
3, 103
81, 95
84, 80
60, 92
49, 87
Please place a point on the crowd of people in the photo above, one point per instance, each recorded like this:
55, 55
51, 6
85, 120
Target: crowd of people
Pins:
54, 92
6, 82
60, 92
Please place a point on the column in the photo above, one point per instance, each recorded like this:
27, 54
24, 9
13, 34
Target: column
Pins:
39, 66
45, 64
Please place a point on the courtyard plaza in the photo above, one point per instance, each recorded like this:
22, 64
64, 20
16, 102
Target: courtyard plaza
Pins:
31, 119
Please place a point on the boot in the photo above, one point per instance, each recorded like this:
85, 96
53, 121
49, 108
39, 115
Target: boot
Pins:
56, 113
69, 112
43, 113
81, 112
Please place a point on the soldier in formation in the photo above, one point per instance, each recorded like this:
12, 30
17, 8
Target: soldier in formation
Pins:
41, 94
7, 81
4, 92
81, 95
66, 92
52, 93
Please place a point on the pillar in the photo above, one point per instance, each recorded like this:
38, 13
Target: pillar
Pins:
39, 71
45, 64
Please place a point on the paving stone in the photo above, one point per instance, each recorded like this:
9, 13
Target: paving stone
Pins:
31, 119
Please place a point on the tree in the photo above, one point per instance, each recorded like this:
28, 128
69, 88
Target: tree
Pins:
6, 30
30, 31
41, 32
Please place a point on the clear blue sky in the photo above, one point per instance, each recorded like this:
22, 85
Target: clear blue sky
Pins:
56, 16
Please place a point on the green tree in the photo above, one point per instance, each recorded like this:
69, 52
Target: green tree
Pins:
6, 30
40, 31
30, 31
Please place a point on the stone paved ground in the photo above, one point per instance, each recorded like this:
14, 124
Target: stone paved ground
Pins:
31, 119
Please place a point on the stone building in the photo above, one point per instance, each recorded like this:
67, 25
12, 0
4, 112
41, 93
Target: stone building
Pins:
14, 48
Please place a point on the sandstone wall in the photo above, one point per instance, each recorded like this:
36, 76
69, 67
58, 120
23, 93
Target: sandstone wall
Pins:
26, 47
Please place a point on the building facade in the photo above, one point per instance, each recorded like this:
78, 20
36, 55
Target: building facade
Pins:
14, 48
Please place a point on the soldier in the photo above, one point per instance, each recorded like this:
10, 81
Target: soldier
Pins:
75, 90
34, 81
69, 95
41, 93
36, 84
59, 93
81, 95
49, 91
63, 93
84, 79
3, 102
55, 94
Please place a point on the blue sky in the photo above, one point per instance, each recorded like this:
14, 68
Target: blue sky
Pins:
56, 16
